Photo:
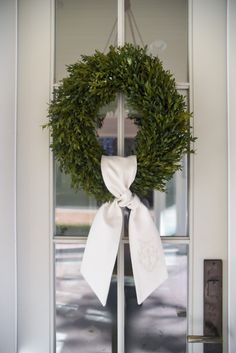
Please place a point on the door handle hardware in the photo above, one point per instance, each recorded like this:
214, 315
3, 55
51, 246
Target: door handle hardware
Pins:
212, 312
204, 339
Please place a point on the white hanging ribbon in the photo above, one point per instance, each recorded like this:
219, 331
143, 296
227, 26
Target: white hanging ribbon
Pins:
148, 262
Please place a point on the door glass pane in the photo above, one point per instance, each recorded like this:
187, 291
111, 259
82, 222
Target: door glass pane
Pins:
75, 210
83, 325
162, 25
81, 27
169, 209
159, 324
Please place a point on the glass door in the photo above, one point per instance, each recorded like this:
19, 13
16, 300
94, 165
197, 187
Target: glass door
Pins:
160, 324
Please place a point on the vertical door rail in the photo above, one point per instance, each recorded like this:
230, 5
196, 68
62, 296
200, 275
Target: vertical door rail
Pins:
120, 148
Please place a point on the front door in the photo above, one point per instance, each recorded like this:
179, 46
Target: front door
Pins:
163, 321
191, 216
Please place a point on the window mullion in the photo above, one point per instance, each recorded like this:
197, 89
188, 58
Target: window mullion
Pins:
120, 149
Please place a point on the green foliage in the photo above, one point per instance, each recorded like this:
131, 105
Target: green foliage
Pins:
164, 133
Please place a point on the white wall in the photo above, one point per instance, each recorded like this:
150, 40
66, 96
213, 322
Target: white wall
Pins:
210, 161
232, 170
33, 194
33, 167
7, 175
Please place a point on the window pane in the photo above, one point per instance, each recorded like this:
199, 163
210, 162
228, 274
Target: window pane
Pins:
76, 33
159, 324
81, 27
162, 25
75, 210
83, 325
169, 209
77, 24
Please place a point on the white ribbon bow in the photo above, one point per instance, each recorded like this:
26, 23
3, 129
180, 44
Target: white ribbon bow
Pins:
148, 262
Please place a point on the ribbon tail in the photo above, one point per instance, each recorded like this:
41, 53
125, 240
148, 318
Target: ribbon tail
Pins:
101, 249
147, 255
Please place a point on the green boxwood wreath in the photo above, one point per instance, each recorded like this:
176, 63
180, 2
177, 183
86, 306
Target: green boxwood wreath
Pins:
164, 133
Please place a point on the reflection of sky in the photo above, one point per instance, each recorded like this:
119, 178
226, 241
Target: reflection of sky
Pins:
83, 325
168, 221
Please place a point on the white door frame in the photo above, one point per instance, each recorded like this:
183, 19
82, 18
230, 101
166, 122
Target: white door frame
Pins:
33, 168
209, 183
231, 79
34, 259
8, 71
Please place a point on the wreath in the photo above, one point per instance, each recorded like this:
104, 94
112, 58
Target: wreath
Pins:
164, 131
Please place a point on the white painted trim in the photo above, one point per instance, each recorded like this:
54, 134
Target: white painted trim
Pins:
81, 240
8, 112
179, 85
121, 23
228, 183
33, 341
52, 286
120, 123
33, 177
231, 102
191, 180
209, 232
15, 179
120, 150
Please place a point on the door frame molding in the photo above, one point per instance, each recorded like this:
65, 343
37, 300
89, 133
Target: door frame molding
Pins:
8, 234
31, 269
231, 105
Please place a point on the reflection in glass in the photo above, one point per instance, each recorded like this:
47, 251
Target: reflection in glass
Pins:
83, 325
75, 210
162, 25
81, 27
169, 209
159, 324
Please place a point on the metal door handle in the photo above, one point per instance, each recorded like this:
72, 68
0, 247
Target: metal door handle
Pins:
212, 319
204, 339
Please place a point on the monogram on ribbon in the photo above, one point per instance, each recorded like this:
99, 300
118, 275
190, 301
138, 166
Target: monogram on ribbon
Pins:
147, 256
